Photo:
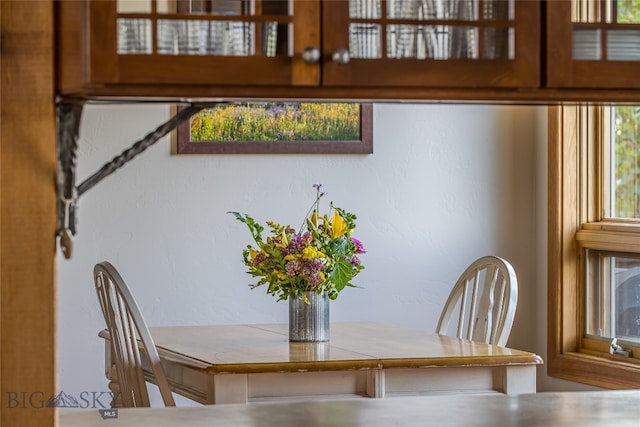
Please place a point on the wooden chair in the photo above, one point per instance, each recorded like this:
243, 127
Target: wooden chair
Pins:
126, 325
487, 318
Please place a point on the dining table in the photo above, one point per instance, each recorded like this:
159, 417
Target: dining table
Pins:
213, 364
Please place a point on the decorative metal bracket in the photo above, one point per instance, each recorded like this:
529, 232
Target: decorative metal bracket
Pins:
69, 113
68, 122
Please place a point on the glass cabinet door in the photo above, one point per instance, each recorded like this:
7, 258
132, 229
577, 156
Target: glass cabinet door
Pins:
203, 41
439, 43
594, 43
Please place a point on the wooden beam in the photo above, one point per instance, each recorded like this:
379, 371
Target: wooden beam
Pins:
27, 214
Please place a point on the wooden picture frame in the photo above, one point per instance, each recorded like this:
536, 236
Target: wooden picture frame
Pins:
364, 145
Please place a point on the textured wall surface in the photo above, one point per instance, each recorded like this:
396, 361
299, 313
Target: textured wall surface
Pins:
446, 184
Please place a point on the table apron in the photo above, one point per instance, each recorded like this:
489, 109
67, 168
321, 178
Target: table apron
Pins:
206, 388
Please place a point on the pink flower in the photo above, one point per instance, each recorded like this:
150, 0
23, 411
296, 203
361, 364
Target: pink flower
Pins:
359, 244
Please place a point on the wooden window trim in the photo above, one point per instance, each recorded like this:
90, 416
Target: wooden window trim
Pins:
569, 356
362, 146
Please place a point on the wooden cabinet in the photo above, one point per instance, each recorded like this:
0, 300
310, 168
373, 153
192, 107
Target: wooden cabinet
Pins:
113, 46
148, 42
485, 50
420, 43
593, 44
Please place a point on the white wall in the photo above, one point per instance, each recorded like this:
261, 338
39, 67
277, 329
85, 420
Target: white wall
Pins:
445, 185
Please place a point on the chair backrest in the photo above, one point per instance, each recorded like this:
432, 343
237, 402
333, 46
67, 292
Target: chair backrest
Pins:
485, 298
126, 326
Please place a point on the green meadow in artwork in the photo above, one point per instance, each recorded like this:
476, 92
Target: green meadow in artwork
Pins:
278, 122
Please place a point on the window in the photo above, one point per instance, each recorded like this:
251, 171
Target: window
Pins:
272, 127
594, 245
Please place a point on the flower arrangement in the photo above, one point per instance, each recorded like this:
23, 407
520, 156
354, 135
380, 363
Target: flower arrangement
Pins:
321, 257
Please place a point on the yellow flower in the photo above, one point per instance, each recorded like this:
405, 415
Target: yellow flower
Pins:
253, 253
338, 226
284, 240
311, 252
327, 226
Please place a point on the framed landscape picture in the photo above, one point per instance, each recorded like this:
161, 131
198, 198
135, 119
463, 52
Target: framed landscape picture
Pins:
277, 128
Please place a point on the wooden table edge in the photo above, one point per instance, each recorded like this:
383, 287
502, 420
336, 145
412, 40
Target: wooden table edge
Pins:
462, 362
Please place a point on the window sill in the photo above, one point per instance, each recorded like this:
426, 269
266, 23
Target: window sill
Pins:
598, 371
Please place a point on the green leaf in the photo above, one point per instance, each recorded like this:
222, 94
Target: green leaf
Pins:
339, 246
254, 227
342, 273
238, 216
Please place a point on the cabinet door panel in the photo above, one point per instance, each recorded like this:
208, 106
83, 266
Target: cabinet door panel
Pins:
432, 43
201, 42
593, 44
